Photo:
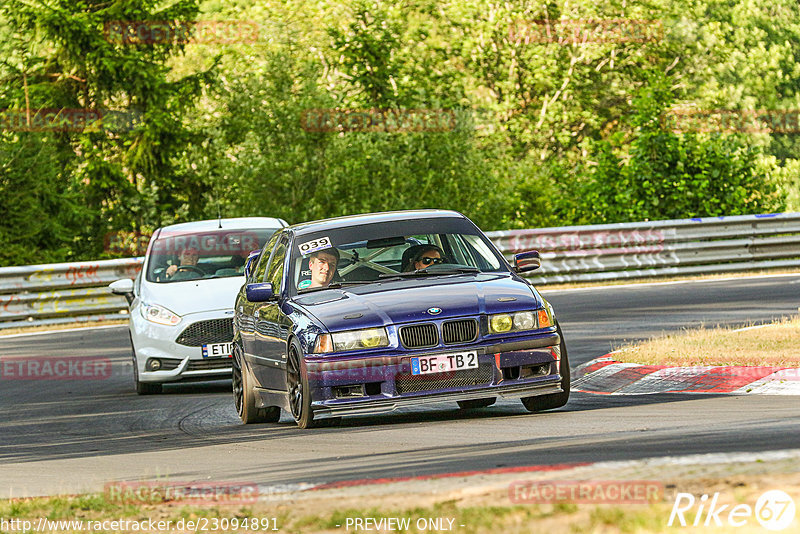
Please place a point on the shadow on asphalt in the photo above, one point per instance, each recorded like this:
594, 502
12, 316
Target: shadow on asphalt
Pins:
66, 421
58, 419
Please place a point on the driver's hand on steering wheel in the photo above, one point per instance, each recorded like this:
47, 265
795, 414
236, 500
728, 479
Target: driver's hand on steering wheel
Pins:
171, 270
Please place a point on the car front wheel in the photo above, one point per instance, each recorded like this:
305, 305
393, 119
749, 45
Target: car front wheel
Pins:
553, 400
297, 386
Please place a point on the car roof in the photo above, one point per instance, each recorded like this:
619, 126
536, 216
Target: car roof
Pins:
238, 223
369, 218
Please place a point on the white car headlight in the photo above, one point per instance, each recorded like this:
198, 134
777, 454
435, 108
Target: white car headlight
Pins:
159, 315
368, 338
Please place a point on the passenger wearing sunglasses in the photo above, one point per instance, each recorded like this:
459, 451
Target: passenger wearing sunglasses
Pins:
423, 256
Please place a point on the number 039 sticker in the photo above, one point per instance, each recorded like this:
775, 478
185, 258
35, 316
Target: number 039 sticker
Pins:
310, 246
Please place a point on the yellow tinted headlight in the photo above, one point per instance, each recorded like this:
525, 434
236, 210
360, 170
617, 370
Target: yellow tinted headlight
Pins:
371, 341
368, 338
500, 323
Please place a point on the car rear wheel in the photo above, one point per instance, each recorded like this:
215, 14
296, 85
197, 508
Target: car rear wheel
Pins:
554, 400
476, 403
244, 396
297, 386
142, 388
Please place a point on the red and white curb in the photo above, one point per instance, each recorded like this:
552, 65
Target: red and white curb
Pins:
292, 490
477, 481
609, 377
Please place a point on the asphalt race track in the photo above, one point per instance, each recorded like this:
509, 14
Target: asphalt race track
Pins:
72, 436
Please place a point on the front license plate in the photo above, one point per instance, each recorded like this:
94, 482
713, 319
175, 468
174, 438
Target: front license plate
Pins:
441, 363
218, 350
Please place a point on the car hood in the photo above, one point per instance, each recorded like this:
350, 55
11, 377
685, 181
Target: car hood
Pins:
409, 300
193, 296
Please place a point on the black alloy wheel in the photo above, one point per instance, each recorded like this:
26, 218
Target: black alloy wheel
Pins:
297, 387
243, 395
553, 400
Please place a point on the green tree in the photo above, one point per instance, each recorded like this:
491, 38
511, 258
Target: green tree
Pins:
62, 56
664, 175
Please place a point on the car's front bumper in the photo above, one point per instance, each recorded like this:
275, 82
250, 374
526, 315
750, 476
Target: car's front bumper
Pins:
513, 369
376, 406
180, 362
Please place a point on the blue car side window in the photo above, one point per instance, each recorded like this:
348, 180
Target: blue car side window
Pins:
263, 261
275, 271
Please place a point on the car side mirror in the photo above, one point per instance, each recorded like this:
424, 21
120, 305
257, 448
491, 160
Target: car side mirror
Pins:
527, 261
261, 292
248, 265
123, 287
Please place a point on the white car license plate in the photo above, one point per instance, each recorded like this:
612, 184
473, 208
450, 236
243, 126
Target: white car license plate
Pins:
441, 363
218, 350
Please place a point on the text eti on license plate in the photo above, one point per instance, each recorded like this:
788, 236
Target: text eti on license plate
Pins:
218, 350
441, 363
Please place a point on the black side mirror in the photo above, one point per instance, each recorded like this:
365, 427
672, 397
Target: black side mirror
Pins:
527, 261
261, 292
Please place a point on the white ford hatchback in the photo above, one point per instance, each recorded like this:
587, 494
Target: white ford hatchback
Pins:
181, 303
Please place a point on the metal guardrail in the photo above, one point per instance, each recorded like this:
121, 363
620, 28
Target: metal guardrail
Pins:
658, 248
63, 292
77, 292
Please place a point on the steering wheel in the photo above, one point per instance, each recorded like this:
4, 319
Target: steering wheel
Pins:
194, 268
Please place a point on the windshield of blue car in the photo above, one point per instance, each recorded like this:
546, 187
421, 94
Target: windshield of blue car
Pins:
220, 253
377, 256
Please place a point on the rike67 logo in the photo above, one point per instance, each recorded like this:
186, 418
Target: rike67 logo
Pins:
774, 510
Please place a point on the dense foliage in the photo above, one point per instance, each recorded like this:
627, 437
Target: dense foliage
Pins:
542, 132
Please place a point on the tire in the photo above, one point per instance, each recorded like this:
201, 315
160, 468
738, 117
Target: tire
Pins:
554, 400
476, 403
297, 388
243, 395
147, 388
142, 388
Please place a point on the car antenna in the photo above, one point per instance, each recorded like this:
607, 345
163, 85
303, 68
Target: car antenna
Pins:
219, 215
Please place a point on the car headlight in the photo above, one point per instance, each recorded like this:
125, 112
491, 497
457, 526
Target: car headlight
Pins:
368, 338
519, 321
159, 315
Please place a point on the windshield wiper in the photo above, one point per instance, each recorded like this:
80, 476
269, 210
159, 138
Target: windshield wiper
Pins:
426, 272
335, 285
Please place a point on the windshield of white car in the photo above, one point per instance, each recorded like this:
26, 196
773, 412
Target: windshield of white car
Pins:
219, 253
